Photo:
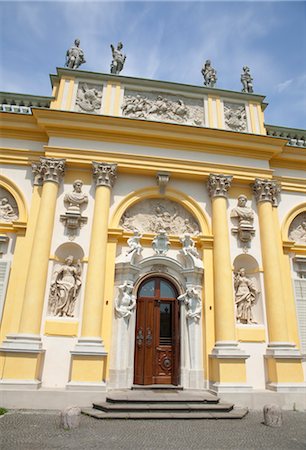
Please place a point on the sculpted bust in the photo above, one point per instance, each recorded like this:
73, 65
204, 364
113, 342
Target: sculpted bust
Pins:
242, 212
76, 198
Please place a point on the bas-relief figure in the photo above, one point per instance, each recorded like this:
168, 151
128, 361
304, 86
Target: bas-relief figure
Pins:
65, 286
246, 293
118, 59
245, 216
235, 117
75, 56
89, 98
246, 80
7, 212
193, 303
209, 74
152, 215
159, 107
297, 230
125, 303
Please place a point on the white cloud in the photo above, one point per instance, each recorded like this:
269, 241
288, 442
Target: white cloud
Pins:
282, 86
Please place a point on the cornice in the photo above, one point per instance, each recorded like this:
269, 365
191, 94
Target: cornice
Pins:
21, 126
138, 164
156, 134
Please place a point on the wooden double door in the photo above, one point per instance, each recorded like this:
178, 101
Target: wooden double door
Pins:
157, 340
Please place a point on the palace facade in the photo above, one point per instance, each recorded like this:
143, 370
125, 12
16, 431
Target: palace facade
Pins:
151, 233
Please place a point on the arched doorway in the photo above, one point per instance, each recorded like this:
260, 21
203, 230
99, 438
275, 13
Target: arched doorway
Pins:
157, 340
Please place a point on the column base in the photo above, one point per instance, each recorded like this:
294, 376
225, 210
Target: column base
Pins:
88, 363
25, 343
14, 384
228, 349
23, 359
89, 346
284, 367
220, 387
227, 371
85, 386
287, 387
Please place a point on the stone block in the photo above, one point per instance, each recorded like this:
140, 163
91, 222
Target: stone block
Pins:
70, 417
273, 416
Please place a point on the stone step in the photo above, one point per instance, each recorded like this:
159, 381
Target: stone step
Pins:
236, 413
163, 406
160, 387
149, 396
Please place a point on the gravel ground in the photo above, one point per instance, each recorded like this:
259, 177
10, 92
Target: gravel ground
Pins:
39, 430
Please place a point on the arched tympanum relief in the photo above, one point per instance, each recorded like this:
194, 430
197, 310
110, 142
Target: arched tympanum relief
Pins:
8, 207
297, 229
152, 215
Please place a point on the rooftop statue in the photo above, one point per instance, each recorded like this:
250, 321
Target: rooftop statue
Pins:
246, 80
118, 59
209, 74
75, 56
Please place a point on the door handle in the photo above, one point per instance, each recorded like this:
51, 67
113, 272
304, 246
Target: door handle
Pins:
149, 337
139, 337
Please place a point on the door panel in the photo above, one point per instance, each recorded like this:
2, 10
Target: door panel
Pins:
157, 333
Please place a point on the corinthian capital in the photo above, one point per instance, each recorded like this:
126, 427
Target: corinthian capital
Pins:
218, 185
48, 169
104, 174
266, 191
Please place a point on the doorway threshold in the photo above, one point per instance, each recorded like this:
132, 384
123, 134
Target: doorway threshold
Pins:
157, 387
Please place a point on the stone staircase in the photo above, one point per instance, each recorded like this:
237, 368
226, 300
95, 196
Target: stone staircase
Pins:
163, 403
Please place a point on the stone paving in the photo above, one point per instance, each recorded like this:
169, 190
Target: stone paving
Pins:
39, 430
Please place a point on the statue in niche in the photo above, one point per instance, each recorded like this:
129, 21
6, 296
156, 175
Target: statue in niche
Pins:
89, 99
76, 198
246, 80
65, 286
189, 247
118, 59
298, 234
126, 301
135, 245
209, 74
245, 216
246, 293
235, 117
75, 56
193, 303
7, 213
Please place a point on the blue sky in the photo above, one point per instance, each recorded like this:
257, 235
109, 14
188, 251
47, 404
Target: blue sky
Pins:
164, 41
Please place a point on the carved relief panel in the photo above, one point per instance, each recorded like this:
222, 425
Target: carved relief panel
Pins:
89, 98
153, 215
163, 107
297, 229
235, 118
8, 207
